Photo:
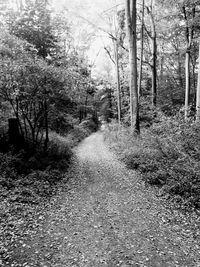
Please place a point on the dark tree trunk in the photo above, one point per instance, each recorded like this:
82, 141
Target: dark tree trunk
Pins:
46, 126
14, 135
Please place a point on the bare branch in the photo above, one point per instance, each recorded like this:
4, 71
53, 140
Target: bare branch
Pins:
109, 54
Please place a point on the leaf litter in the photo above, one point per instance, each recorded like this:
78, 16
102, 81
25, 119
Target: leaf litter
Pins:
101, 215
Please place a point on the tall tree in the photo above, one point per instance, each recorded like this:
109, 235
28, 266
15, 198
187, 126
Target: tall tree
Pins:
141, 51
154, 54
198, 93
189, 34
112, 16
131, 17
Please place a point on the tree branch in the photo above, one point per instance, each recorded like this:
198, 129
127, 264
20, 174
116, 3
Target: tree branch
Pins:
109, 54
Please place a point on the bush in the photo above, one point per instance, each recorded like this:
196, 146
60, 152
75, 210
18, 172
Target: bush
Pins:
28, 177
167, 155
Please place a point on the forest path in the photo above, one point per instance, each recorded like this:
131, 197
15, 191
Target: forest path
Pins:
105, 216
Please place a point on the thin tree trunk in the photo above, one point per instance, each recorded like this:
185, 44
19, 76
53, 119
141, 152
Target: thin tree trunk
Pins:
46, 118
154, 74
180, 71
189, 34
198, 94
141, 53
187, 83
110, 102
161, 71
154, 55
118, 82
131, 32
46, 126
194, 85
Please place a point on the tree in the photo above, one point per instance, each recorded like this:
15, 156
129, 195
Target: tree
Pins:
152, 37
189, 35
33, 24
131, 14
141, 51
198, 94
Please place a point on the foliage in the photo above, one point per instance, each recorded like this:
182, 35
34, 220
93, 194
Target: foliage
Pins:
27, 83
33, 24
167, 155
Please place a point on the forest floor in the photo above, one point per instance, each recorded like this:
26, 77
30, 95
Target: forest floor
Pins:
104, 215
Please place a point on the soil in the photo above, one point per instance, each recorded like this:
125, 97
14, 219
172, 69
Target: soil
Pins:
104, 215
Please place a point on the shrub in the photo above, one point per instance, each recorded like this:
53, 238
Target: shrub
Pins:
167, 155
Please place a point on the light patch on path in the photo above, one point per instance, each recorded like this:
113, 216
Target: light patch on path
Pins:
105, 216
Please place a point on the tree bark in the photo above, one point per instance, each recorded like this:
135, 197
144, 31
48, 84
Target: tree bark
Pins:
141, 53
118, 82
14, 134
189, 34
180, 71
131, 33
187, 83
161, 71
154, 57
198, 94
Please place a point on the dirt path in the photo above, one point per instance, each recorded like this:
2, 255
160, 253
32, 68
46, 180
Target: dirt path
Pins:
105, 216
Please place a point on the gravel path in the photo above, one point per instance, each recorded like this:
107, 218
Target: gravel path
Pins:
105, 216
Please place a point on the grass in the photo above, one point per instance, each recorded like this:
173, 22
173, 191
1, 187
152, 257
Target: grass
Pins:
166, 154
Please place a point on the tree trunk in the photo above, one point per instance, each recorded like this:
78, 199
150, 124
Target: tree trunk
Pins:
154, 57
46, 126
141, 53
110, 103
131, 33
189, 34
198, 94
180, 71
154, 74
14, 134
161, 72
118, 82
187, 83
194, 85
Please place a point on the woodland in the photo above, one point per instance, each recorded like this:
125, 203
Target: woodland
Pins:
146, 101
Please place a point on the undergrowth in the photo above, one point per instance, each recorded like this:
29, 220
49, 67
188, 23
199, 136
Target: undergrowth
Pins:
39, 172
166, 154
27, 183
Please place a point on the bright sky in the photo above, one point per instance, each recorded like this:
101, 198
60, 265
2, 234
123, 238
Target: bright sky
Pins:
95, 12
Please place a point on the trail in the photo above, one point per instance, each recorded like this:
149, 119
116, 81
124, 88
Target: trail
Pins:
105, 216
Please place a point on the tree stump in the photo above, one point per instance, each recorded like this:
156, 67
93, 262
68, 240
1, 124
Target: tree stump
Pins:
13, 131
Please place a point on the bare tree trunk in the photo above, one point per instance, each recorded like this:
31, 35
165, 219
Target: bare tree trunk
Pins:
46, 126
194, 85
141, 52
118, 82
131, 32
154, 74
198, 94
180, 71
161, 71
154, 57
14, 135
189, 34
46, 120
187, 83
